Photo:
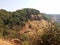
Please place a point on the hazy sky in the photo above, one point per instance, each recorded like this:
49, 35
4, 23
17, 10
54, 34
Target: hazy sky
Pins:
46, 6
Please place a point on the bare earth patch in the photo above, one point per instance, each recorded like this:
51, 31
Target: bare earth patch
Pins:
3, 42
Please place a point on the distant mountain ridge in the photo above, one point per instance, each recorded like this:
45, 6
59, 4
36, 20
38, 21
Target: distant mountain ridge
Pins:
57, 16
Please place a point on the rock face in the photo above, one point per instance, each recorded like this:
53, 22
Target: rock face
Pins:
35, 17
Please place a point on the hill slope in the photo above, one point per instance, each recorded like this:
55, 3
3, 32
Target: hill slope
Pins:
29, 22
31, 28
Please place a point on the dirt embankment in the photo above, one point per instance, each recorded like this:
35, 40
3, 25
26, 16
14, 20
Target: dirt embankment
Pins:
5, 42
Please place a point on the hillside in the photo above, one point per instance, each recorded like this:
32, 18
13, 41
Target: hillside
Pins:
26, 27
30, 29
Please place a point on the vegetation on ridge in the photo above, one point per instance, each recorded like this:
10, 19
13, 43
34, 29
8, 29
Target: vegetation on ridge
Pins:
12, 22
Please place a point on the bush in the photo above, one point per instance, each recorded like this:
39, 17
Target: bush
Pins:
23, 37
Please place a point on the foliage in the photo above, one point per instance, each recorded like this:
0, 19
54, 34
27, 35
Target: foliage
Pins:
12, 22
23, 37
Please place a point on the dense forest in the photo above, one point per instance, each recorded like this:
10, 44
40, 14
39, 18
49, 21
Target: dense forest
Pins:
12, 22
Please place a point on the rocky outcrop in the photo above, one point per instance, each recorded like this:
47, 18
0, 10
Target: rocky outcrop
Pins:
35, 17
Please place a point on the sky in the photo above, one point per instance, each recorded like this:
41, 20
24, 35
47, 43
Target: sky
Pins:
44, 6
